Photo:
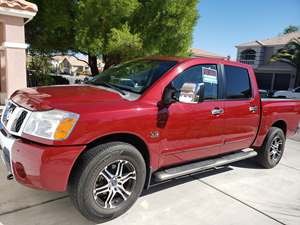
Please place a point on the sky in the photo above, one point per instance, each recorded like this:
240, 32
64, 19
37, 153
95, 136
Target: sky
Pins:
226, 23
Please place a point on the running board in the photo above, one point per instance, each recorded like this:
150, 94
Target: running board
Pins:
186, 169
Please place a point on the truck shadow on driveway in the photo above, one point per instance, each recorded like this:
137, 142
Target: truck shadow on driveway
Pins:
155, 187
248, 164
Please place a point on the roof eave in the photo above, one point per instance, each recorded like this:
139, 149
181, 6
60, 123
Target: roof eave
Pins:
17, 13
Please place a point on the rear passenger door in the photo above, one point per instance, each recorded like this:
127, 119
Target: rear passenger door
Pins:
241, 109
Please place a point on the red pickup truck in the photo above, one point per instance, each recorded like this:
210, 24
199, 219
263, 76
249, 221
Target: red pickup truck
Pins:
140, 122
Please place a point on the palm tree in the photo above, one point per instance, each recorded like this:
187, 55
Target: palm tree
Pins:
290, 54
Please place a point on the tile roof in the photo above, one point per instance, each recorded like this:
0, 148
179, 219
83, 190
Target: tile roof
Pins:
202, 53
19, 5
279, 40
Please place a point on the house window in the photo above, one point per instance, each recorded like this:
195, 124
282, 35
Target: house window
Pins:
248, 54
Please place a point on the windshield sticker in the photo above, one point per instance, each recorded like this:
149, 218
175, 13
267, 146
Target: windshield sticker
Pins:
209, 75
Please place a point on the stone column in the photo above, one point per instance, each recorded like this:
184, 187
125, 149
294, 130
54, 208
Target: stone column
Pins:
13, 56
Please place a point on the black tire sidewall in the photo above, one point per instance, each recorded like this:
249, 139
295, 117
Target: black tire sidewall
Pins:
91, 172
274, 131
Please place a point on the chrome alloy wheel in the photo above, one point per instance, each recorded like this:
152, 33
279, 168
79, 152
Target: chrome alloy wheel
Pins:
276, 149
114, 184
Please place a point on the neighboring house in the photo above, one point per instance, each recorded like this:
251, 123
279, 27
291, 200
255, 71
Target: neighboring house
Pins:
270, 75
14, 14
70, 65
199, 53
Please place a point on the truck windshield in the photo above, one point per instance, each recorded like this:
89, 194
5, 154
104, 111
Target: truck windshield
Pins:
134, 76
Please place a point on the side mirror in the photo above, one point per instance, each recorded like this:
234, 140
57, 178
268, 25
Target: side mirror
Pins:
169, 95
192, 93
189, 93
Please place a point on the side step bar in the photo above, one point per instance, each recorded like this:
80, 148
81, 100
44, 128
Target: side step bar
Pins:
186, 169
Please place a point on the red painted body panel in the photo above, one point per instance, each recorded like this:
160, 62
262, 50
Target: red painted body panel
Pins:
43, 167
187, 131
241, 125
190, 131
287, 111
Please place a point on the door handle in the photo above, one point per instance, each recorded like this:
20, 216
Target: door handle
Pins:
253, 109
217, 111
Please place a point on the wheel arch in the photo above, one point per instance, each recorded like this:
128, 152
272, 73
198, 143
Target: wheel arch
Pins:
281, 124
129, 138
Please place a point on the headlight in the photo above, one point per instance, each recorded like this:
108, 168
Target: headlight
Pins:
52, 125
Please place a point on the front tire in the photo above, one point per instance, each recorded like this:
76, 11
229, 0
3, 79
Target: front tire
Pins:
107, 181
270, 154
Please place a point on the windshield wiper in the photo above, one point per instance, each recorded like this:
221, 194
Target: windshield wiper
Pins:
106, 84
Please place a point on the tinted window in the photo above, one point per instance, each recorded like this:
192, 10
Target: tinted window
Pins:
206, 74
237, 83
297, 90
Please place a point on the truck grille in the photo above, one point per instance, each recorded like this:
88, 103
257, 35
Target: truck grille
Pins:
14, 117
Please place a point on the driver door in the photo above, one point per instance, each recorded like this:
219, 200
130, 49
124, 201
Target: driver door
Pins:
193, 130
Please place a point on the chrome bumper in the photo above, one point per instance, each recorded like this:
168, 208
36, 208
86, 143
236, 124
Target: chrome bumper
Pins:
6, 144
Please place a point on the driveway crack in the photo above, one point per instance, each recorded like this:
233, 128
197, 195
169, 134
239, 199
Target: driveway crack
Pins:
32, 206
240, 201
291, 167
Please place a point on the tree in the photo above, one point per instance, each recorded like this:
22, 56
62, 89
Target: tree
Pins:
290, 54
102, 27
290, 29
52, 29
166, 26
118, 30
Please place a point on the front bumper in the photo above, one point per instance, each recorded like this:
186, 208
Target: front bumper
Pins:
6, 145
38, 166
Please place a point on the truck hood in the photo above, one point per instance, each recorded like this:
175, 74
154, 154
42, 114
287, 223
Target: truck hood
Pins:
47, 98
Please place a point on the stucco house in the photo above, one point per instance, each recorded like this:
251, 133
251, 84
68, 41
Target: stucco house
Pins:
14, 14
270, 75
72, 65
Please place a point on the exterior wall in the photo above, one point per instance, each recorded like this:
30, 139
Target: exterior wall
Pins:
263, 65
66, 67
278, 68
14, 29
13, 56
2, 65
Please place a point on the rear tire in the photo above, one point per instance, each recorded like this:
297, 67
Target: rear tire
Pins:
270, 154
107, 180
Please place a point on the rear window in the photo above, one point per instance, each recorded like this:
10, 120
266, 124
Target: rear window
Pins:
237, 83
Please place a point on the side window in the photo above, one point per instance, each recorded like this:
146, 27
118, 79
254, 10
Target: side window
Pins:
206, 74
237, 83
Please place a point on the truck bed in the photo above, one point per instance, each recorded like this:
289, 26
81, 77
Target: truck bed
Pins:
284, 111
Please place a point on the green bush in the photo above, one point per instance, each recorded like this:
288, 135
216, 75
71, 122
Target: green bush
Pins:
39, 69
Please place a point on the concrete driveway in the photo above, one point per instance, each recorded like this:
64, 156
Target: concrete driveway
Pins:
238, 194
